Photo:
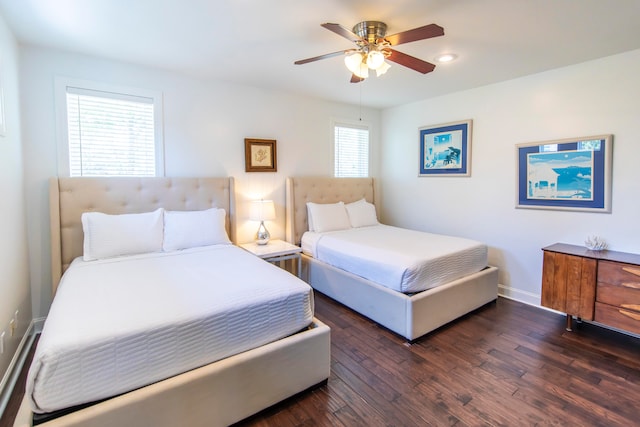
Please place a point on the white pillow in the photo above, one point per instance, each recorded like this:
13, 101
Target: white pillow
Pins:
361, 213
189, 229
107, 236
327, 217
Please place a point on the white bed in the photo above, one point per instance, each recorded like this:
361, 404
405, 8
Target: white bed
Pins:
409, 315
196, 382
402, 260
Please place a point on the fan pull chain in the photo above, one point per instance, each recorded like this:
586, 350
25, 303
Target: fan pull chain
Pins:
361, 83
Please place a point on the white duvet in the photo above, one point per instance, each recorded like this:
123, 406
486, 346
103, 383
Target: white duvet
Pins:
403, 260
119, 324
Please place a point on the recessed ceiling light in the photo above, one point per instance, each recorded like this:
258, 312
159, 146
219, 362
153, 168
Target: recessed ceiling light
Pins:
446, 57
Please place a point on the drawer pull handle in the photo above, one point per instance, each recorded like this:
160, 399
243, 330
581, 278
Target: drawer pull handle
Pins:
632, 285
634, 316
635, 307
635, 271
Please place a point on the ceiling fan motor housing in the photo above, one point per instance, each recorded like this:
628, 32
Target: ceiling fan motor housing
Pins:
371, 31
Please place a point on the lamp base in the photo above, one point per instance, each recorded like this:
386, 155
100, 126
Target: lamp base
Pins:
262, 236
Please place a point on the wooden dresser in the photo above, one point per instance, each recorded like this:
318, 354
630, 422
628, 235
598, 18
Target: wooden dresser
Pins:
603, 286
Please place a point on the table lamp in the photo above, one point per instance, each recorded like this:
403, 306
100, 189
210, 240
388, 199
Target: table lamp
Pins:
262, 210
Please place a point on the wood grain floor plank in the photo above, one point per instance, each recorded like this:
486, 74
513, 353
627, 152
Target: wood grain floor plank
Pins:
505, 364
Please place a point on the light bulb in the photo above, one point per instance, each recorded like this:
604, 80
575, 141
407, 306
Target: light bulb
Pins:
375, 59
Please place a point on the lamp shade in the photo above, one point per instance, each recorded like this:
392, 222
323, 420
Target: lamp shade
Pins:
383, 68
353, 61
262, 210
375, 59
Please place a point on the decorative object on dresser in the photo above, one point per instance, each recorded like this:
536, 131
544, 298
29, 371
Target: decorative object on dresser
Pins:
603, 286
260, 155
567, 174
262, 210
595, 243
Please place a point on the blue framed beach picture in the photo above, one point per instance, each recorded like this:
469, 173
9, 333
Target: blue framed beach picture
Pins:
445, 149
568, 174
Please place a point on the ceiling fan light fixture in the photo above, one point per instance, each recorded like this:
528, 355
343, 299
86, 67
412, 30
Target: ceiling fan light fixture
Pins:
374, 47
375, 59
355, 63
362, 71
383, 68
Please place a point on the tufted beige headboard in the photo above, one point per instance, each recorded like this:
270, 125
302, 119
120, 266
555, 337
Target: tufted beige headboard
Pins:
301, 190
70, 197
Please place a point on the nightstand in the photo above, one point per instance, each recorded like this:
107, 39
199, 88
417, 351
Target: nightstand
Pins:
276, 251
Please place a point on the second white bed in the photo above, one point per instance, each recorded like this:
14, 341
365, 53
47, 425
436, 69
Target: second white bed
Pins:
175, 311
403, 260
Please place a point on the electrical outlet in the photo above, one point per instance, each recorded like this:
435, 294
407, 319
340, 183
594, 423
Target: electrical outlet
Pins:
12, 327
2, 342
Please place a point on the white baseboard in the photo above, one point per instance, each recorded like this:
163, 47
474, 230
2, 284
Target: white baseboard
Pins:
17, 362
519, 295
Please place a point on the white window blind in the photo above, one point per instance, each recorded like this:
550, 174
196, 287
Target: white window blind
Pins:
351, 154
110, 134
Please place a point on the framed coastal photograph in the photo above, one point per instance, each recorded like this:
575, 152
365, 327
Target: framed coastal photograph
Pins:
445, 149
260, 155
568, 174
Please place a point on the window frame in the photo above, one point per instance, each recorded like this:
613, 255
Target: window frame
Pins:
352, 124
61, 85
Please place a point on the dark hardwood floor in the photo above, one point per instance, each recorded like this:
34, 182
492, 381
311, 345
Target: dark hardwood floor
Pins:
505, 364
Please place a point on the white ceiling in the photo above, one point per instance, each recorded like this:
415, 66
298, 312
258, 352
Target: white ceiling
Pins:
255, 42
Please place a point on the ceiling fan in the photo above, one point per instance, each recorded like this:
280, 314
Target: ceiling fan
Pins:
374, 47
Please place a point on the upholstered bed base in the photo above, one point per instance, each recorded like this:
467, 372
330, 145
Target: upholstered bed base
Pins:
217, 394
409, 316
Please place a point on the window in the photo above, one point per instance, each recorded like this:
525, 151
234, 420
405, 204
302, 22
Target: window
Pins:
351, 150
110, 132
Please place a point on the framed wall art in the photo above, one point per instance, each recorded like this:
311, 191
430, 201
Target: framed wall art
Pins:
445, 149
260, 155
567, 174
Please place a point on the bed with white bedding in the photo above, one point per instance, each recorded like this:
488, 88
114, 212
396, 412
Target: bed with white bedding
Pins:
402, 260
203, 335
385, 273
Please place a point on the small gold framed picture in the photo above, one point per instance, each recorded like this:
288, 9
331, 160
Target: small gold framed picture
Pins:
260, 155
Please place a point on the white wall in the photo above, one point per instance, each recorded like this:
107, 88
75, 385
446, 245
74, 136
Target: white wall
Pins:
593, 98
205, 124
14, 280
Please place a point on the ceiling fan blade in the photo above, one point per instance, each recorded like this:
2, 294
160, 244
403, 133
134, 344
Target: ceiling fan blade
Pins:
356, 79
426, 32
409, 61
342, 31
325, 56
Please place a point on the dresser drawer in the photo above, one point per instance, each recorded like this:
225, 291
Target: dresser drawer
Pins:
618, 285
618, 317
619, 295
616, 273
